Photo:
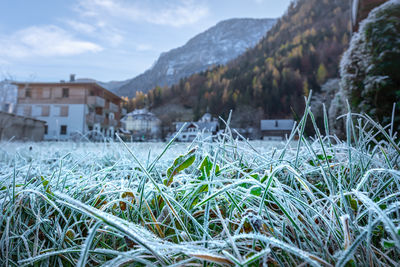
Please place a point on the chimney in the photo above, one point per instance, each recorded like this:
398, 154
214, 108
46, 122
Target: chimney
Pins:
72, 77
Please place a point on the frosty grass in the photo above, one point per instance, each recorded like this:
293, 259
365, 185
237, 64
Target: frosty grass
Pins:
319, 202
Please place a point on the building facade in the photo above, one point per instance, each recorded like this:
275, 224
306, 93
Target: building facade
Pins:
70, 109
142, 124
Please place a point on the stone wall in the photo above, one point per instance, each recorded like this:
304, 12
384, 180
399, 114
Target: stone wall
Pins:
20, 128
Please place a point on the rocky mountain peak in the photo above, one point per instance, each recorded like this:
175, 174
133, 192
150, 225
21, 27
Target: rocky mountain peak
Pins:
219, 44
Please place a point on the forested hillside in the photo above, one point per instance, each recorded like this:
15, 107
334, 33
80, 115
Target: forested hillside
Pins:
301, 52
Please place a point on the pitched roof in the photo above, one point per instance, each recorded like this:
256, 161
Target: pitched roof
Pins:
3, 113
277, 125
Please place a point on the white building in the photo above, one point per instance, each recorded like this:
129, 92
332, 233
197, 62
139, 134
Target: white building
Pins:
142, 124
70, 108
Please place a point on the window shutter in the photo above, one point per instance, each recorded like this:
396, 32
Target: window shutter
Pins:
64, 111
21, 92
57, 92
45, 111
38, 93
46, 93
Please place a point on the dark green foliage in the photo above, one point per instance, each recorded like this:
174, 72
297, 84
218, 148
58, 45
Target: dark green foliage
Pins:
370, 68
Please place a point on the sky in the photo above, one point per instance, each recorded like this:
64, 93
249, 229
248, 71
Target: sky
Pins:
46, 40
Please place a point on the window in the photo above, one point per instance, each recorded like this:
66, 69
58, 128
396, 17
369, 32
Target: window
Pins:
46, 129
65, 92
28, 92
64, 111
63, 130
91, 93
45, 111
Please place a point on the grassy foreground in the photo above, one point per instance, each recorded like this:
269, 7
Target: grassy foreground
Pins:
316, 202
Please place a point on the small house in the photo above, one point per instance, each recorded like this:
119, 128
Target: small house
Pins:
207, 125
276, 129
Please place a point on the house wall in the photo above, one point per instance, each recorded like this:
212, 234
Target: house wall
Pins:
272, 135
42, 94
75, 119
136, 125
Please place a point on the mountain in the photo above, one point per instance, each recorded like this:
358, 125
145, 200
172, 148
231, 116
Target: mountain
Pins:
300, 52
217, 45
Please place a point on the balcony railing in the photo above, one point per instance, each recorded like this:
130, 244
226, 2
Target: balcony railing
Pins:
92, 118
114, 108
111, 122
96, 101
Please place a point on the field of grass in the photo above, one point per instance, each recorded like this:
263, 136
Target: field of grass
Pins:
317, 202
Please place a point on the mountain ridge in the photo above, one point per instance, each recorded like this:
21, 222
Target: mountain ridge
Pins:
217, 45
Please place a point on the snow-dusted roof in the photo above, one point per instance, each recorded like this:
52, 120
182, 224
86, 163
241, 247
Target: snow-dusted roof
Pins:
207, 117
211, 126
206, 123
277, 125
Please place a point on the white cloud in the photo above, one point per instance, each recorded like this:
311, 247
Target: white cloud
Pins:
176, 14
43, 41
100, 30
80, 26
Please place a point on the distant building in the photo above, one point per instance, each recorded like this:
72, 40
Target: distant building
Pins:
17, 127
208, 125
276, 129
70, 108
142, 124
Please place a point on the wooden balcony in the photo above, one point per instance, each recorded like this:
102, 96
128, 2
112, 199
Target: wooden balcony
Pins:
113, 108
96, 101
93, 118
